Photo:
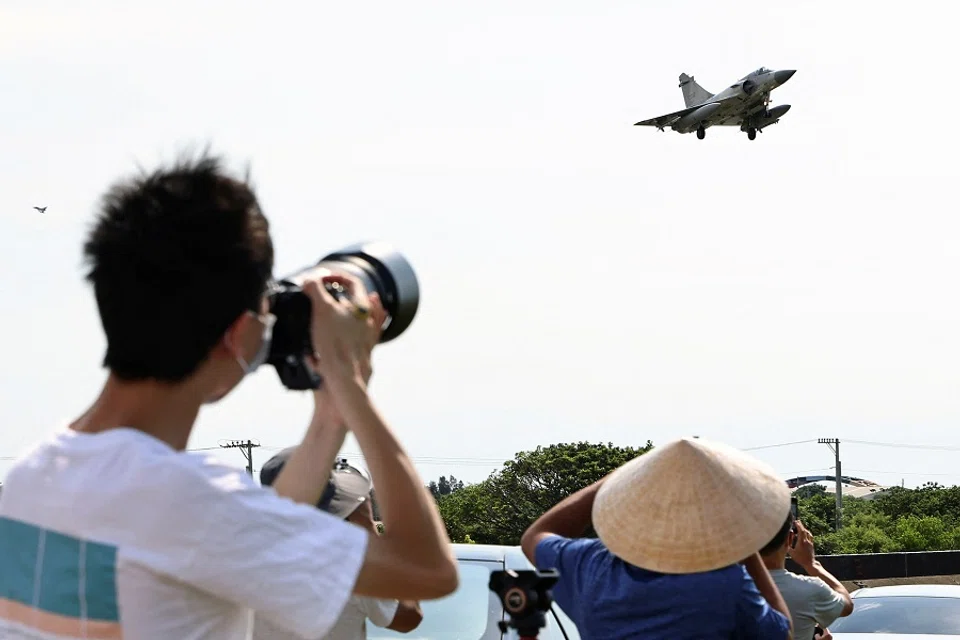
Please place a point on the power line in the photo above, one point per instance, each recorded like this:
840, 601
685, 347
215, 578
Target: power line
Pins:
804, 472
480, 461
926, 447
781, 444
903, 473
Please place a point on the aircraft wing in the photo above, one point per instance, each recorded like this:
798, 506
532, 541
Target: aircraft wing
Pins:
670, 118
664, 121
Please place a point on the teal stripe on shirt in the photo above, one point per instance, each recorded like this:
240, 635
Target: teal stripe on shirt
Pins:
63, 559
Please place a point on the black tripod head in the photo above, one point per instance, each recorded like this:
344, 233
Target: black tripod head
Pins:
526, 598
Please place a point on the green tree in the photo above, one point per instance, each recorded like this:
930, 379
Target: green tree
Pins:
444, 486
467, 514
818, 513
809, 490
923, 519
929, 500
928, 533
499, 509
857, 539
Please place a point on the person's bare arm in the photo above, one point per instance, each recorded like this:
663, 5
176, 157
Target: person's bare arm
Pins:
766, 586
804, 554
570, 518
408, 617
413, 559
306, 473
817, 570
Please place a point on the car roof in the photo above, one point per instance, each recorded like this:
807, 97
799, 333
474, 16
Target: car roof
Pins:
910, 590
510, 556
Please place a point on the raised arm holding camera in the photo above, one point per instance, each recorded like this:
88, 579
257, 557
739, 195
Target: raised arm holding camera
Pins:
348, 496
109, 528
676, 554
815, 600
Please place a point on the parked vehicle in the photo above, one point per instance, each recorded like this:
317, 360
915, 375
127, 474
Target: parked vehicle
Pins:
907, 612
473, 611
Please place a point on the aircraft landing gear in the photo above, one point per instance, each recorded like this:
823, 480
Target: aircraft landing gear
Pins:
701, 133
751, 134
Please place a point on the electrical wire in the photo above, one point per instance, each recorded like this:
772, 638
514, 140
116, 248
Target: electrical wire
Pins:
925, 447
903, 473
477, 461
781, 444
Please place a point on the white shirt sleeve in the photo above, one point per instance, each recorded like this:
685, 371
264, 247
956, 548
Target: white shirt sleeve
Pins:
379, 612
293, 564
826, 603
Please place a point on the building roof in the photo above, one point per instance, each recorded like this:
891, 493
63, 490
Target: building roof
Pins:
850, 487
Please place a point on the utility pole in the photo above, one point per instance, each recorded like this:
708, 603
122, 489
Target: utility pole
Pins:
834, 445
246, 448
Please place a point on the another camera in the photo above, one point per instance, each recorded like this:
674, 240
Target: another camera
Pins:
795, 512
526, 598
378, 266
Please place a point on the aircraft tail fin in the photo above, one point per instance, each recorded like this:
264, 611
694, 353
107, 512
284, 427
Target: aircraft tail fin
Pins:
693, 94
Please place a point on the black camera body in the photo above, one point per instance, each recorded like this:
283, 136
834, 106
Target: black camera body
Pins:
526, 598
378, 266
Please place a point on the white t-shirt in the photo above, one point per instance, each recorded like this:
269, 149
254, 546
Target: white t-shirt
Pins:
810, 601
350, 626
118, 535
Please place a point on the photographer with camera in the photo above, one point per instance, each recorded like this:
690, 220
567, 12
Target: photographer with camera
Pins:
109, 528
348, 496
815, 600
679, 529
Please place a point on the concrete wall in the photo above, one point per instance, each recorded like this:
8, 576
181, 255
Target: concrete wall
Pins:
874, 566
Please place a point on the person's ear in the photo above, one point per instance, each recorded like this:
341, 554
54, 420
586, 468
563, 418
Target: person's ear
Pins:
232, 339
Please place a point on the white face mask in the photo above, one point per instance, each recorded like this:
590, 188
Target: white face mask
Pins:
263, 352
261, 356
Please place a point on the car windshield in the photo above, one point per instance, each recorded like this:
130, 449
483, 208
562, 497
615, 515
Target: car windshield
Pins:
463, 615
902, 615
470, 613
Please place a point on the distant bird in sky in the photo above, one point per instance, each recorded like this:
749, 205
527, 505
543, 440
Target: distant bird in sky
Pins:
40, 209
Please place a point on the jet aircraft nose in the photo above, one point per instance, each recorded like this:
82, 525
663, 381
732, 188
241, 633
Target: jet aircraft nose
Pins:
782, 76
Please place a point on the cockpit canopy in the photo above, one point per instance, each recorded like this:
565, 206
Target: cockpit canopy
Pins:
754, 74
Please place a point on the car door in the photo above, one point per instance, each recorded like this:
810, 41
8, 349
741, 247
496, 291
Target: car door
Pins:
473, 611
469, 613
559, 625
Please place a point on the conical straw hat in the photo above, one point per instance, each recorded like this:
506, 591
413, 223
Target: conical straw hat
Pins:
690, 506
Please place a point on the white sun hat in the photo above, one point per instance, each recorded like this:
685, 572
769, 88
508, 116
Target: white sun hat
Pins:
690, 506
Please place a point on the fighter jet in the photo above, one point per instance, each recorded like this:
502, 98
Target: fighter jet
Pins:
745, 104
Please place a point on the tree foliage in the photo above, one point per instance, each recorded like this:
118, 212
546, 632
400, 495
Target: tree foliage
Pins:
923, 519
444, 486
499, 509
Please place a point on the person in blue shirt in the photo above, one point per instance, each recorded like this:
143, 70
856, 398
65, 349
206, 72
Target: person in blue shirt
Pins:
677, 555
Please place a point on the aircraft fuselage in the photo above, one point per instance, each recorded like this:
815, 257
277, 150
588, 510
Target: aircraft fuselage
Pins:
745, 104
743, 101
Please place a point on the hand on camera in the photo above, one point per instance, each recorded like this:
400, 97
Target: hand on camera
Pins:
804, 552
344, 332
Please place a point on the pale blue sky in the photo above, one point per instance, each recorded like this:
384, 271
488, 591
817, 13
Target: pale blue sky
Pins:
583, 279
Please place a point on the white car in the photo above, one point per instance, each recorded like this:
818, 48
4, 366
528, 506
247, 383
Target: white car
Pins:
907, 612
473, 611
